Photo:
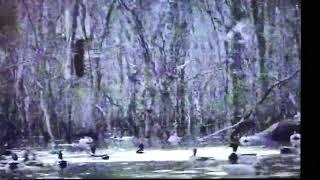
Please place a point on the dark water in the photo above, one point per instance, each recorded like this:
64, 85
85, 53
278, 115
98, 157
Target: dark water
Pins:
269, 166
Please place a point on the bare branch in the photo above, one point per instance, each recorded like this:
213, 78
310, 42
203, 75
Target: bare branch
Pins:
247, 115
183, 65
100, 109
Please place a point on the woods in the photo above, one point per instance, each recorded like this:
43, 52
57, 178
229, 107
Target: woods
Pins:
146, 68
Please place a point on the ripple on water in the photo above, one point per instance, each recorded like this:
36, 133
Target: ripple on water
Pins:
162, 171
167, 163
286, 174
186, 172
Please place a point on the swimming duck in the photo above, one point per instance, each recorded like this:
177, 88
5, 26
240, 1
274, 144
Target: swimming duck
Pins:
233, 158
62, 163
93, 148
195, 158
295, 139
141, 148
13, 165
243, 158
235, 168
33, 161
289, 150
105, 157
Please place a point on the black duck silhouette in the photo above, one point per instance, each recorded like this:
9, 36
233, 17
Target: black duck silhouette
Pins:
62, 163
141, 149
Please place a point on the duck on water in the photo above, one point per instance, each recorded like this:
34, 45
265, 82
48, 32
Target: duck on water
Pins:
242, 158
62, 163
31, 162
236, 168
13, 164
198, 158
140, 149
93, 148
295, 140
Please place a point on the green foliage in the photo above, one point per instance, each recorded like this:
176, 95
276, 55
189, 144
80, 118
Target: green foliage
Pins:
80, 92
228, 99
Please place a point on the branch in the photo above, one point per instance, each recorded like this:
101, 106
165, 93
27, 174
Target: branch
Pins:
276, 84
100, 109
183, 65
247, 115
39, 84
112, 102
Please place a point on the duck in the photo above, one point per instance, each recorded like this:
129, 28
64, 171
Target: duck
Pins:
289, 150
295, 139
93, 148
13, 165
33, 161
62, 163
141, 148
105, 157
236, 168
195, 158
234, 158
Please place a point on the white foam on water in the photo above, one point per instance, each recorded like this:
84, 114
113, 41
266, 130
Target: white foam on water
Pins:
217, 173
